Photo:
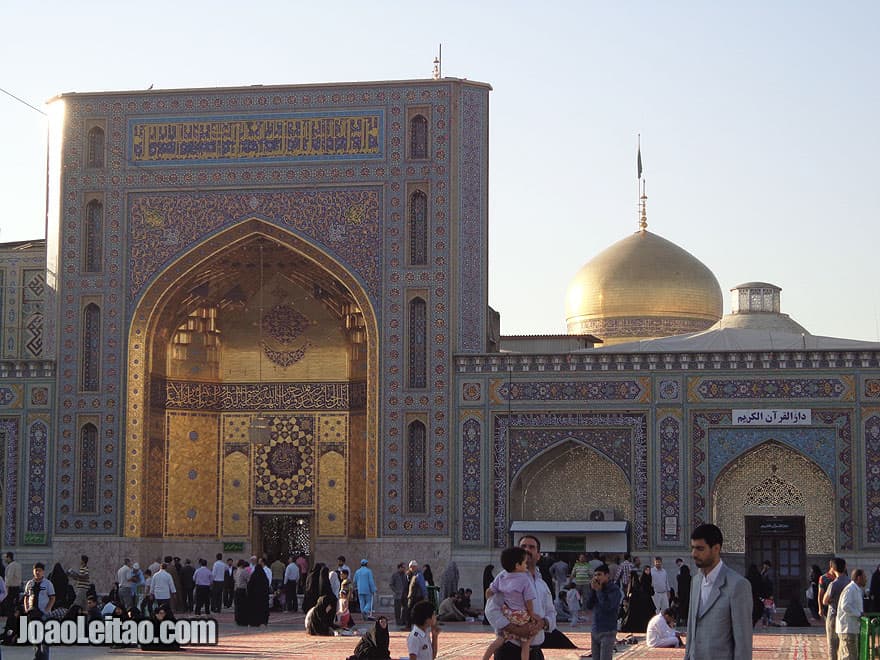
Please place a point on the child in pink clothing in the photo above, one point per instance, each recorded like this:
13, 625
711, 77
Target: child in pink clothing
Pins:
517, 587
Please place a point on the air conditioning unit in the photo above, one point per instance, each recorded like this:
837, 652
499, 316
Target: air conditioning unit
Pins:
597, 515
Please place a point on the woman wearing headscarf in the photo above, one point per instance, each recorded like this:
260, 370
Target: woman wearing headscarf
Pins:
162, 613
374, 643
325, 587
239, 598
320, 618
311, 591
449, 581
873, 588
428, 575
684, 592
753, 575
257, 598
58, 578
640, 606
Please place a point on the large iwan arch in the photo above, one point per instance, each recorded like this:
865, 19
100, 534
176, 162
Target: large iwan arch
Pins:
253, 323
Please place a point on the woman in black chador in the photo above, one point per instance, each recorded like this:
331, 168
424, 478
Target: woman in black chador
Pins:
257, 597
374, 643
640, 606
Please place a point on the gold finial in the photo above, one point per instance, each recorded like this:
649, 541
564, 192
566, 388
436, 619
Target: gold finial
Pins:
643, 215
437, 73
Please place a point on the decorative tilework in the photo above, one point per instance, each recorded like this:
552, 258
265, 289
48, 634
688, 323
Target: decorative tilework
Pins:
519, 438
710, 389
828, 443
872, 388
669, 389
471, 482
9, 439
10, 396
872, 476
472, 220
637, 390
669, 462
471, 391
344, 221
38, 439
284, 471
39, 396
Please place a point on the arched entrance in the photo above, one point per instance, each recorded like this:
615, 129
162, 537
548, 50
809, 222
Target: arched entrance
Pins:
774, 503
250, 370
570, 482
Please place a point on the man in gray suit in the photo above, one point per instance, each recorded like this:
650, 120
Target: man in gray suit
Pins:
720, 615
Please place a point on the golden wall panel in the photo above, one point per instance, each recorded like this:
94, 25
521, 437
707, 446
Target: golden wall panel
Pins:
236, 427
236, 495
562, 485
358, 476
192, 474
331, 494
246, 348
773, 480
333, 428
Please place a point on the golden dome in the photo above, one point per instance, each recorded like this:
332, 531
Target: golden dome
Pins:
642, 287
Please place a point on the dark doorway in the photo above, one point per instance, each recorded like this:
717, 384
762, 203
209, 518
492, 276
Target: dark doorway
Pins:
280, 535
782, 540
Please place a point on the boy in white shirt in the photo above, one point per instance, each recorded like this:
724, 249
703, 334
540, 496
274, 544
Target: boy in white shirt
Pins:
422, 640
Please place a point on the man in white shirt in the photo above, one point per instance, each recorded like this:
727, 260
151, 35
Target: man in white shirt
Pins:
162, 586
218, 573
203, 581
849, 611
13, 582
542, 607
662, 585
123, 579
660, 632
291, 579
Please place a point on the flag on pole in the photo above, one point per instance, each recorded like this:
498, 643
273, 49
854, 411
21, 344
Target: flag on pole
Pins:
640, 162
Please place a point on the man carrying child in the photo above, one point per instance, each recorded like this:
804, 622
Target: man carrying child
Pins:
542, 609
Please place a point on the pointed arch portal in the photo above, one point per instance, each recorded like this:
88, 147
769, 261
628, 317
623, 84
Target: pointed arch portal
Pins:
252, 329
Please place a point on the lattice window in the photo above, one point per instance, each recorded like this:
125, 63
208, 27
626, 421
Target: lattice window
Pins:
91, 346
418, 229
416, 468
418, 345
88, 469
418, 137
94, 236
95, 155
774, 491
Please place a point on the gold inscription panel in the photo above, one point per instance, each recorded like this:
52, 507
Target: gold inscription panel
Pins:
347, 135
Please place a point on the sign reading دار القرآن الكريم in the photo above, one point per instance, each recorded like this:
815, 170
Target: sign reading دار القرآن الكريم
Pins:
772, 417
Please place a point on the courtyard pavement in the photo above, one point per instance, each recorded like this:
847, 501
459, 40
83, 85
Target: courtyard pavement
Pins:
285, 638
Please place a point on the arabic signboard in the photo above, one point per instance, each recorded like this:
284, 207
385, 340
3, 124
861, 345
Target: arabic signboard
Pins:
772, 417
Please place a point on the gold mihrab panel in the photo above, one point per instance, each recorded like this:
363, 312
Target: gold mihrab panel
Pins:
773, 480
236, 486
331, 494
562, 485
192, 474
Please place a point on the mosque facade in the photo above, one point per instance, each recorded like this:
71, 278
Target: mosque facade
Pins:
259, 321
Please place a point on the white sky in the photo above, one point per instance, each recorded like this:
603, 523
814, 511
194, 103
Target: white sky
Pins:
758, 122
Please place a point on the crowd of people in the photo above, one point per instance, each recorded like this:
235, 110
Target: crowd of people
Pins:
616, 593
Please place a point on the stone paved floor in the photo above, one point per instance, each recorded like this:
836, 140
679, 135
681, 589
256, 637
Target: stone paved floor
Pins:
285, 638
